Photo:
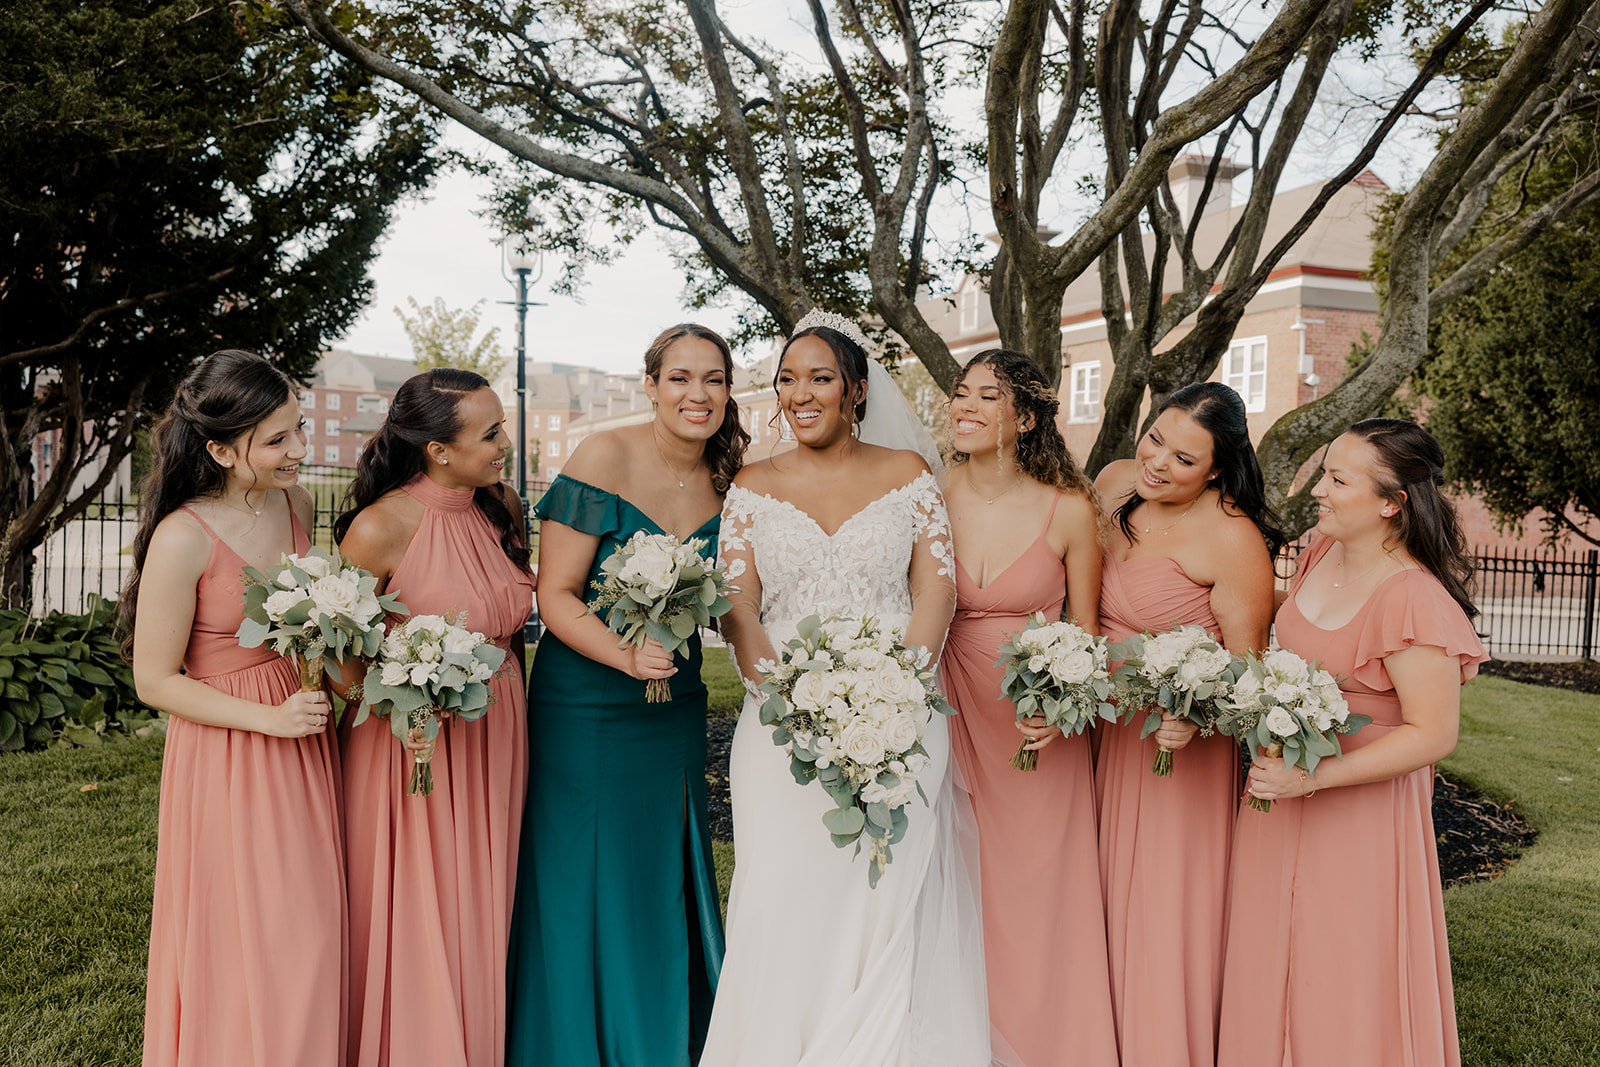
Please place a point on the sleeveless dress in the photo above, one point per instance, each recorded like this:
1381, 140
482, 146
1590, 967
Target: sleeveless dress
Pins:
431, 877
1163, 843
248, 939
1336, 940
618, 933
1044, 928
822, 971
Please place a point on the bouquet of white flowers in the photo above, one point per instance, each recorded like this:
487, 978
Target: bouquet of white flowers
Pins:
1183, 671
314, 607
658, 586
1056, 670
1290, 708
428, 667
849, 703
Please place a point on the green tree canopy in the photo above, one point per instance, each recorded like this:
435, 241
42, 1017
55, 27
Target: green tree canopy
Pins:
441, 336
179, 176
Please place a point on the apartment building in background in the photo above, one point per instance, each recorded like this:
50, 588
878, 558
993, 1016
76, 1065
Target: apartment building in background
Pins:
345, 402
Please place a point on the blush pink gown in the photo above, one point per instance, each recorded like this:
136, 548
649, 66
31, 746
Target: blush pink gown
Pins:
431, 878
1336, 940
248, 938
1163, 844
1044, 933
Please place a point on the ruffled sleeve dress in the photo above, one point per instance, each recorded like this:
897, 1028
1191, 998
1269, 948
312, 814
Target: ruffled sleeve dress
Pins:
248, 940
618, 937
431, 877
1336, 939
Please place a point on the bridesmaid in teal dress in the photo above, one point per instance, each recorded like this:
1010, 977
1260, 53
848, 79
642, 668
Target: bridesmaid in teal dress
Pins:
616, 940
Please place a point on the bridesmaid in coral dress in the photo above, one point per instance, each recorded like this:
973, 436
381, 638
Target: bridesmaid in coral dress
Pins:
1192, 543
431, 878
1336, 941
1026, 540
247, 936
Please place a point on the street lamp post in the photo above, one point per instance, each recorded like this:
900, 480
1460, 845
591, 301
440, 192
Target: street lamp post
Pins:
522, 261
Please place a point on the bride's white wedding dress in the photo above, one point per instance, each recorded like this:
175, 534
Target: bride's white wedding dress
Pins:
822, 971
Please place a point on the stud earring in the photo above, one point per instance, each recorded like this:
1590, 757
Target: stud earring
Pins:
444, 463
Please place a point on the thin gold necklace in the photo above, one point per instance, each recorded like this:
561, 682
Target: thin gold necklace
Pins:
997, 496
1163, 531
247, 509
1349, 581
663, 457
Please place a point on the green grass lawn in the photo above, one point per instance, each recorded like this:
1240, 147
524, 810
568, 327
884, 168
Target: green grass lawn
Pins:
75, 888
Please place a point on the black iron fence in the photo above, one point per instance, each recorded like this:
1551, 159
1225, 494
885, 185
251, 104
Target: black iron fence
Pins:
93, 553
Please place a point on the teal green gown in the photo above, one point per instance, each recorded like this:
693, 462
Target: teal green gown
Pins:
616, 938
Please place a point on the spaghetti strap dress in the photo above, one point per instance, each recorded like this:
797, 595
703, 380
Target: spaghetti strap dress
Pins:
618, 936
1044, 929
1336, 939
431, 877
248, 940
1164, 843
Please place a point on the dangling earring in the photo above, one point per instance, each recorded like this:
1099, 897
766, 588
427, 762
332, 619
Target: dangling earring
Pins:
785, 431
855, 429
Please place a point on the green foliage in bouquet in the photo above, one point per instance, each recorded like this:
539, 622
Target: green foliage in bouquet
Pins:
1055, 670
1183, 671
64, 683
427, 664
315, 606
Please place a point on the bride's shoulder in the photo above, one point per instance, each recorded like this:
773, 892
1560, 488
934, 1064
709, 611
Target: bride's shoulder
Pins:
895, 468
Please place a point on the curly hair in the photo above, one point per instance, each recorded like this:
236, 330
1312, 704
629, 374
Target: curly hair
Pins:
1041, 451
725, 448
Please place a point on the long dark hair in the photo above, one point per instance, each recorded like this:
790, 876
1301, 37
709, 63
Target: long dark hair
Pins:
1041, 451
1409, 473
1220, 412
725, 448
851, 357
223, 399
427, 407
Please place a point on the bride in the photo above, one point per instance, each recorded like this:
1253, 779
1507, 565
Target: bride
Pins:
822, 971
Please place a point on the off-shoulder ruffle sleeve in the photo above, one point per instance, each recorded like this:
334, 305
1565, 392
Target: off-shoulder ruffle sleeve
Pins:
580, 506
1413, 609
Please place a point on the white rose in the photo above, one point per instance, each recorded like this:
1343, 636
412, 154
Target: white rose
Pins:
1286, 692
912, 690
900, 732
315, 566
280, 603
862, 743
872, 793
428, 624
885, 684
1038, 663
429, 652
457, 641
898, 795
481, 671
1286, 665
878, 711
1246, 688
811, 690
334, 595
1321, 717
651, 566
837, 710
1280, 722
394, 645
917, 762
1211, 662
421, 673
1074, 668
395, 673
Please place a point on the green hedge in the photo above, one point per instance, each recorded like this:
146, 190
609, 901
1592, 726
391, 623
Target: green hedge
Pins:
66, 683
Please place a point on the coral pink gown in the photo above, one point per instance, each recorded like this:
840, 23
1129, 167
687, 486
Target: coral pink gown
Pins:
1163, 844
431, 878
1336, 941
1044, 932
248, 955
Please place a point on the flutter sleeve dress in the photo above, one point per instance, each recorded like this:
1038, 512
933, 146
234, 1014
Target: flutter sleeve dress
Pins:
1336, 939
248, 940
431, 877
1044, 928
618, 938
1164, 843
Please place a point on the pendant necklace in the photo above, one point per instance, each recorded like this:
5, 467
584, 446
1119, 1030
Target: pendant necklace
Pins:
1163, 531
254, 511
997, 496
1363, 574
663, 457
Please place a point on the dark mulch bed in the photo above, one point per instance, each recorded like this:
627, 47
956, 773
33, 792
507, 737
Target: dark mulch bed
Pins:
719, 737
1581, 676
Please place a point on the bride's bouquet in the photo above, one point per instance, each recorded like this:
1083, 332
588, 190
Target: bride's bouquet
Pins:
849, 703
1056, 670
1182, 671
428, 667
1290, 708
314, 608
658, 586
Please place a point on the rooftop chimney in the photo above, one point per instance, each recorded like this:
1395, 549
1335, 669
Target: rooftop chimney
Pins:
1188, 176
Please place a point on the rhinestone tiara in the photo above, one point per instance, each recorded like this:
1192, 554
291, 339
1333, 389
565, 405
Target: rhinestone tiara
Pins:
833, 321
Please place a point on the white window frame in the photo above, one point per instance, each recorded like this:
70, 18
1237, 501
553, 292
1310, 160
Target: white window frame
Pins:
1079, 397
553, 422
333, 402
330, 427
553, 448
330, 454
308, 399
1248, 380
969, 308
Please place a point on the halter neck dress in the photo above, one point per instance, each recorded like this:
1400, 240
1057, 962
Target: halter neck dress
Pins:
1164, 843
1336, 898
618, 937
248, 939
1044, 931
431, 878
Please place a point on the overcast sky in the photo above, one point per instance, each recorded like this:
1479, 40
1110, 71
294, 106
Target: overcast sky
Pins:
439, 247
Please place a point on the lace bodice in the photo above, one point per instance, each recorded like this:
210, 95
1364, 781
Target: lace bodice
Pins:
863, 569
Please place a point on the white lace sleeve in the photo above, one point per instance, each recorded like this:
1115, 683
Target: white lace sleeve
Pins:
932, 526
736, 556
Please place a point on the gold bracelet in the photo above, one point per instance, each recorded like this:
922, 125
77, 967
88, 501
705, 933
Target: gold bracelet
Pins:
1304, 777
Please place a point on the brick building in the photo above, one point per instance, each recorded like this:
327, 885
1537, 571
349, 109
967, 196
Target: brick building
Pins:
346, 401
